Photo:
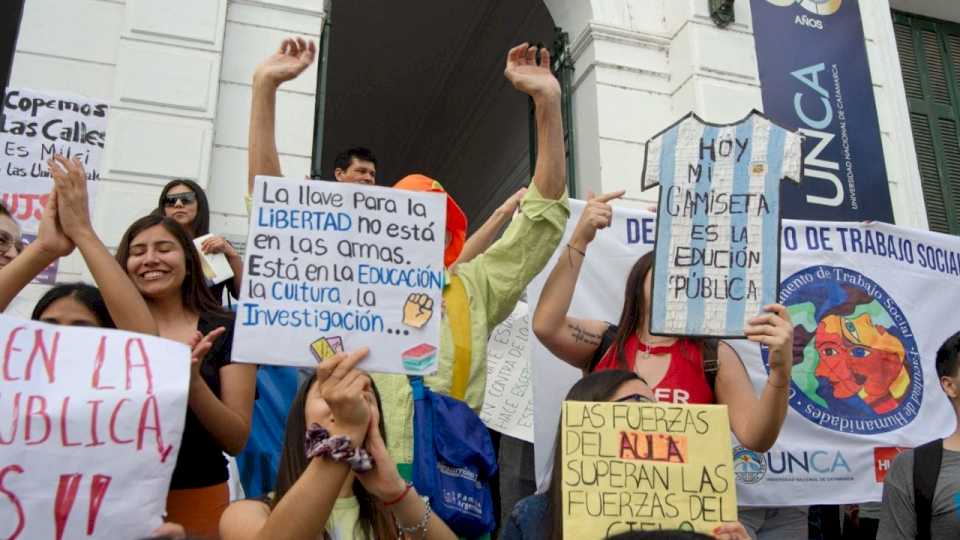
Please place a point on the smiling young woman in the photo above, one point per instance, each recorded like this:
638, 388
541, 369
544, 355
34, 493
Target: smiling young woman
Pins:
163, 264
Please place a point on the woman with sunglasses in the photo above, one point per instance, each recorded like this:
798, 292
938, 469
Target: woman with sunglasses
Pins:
677, 364
540, 517
65, 225
186, 202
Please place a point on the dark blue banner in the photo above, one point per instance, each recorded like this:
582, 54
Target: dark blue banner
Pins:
814, 77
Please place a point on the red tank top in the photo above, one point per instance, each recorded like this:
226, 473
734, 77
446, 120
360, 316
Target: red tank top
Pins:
684, 381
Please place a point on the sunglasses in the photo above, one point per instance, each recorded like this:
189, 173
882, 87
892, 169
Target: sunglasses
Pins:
187, 197
633, 397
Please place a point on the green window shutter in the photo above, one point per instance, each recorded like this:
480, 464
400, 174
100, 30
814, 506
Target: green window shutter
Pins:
930, 59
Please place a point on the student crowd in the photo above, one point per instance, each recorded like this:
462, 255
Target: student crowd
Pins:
349, 433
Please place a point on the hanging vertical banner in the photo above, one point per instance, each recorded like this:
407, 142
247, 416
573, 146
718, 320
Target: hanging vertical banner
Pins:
814, 77
718, 221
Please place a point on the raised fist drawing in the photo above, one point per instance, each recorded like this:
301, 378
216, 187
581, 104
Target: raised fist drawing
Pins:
417, 310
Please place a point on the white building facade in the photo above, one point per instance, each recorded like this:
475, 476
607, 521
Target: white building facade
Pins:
177, 75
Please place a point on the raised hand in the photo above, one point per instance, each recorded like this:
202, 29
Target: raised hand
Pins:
596, 215
199, 347
51, 239
73, 205
510, 205
292, 59
344, 389
535, 80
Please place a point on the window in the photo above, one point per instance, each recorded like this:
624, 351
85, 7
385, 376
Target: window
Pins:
930, 59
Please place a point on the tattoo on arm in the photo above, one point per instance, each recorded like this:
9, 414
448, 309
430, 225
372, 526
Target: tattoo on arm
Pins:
580, 335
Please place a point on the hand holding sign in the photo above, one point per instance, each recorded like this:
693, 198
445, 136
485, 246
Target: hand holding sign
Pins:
417, 310
775, 330
343, 389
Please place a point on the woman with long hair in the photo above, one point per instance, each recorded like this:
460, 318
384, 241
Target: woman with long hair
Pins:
674, 365
163, 264
186, 202
65, 225
540, 517
352, 493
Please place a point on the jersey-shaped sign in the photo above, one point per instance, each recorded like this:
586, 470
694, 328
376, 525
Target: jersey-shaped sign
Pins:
717, 260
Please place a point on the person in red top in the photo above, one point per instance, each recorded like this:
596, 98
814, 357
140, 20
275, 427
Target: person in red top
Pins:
674, 366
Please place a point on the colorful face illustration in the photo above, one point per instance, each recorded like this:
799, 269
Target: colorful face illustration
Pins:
860, 358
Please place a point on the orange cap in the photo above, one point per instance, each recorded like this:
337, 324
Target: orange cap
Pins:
456, 219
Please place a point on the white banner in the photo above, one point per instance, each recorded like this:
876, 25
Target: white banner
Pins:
39, 125
90, 431
508, 401
331, 266
868, 303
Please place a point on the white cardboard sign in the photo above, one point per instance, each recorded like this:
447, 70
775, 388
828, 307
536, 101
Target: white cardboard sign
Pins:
90, 431
331, 266
38, 125
508, 400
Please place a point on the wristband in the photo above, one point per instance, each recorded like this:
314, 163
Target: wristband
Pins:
401, 497
339, 448
582, 253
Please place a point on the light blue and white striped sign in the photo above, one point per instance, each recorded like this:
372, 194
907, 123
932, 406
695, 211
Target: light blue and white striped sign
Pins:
718, 221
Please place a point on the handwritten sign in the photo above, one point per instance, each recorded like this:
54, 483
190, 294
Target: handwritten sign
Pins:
91, 427
645, 466
38, 125
508, 400
332, 266
718, 222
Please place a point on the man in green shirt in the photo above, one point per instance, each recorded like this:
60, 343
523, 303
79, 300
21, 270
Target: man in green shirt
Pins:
481, 292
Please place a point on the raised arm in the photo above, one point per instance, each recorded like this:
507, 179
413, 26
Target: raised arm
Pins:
50, 245
292, 59
756, 421
482, 238
126, 305
303, 511
537, 81
572, 340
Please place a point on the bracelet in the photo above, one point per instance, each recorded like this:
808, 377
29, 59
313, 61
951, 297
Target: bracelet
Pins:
421, 526
320, 444
582, 253
399, 498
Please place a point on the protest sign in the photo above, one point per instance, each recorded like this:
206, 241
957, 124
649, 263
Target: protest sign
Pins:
870, 305
508, 400
25, 200
717, 249
38, 125
837, 439
645, 466
331, 266
91, 431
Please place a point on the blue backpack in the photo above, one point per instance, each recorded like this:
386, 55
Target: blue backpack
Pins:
453, 461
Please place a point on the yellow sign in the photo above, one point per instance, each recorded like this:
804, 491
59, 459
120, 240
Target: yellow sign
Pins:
645, 466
